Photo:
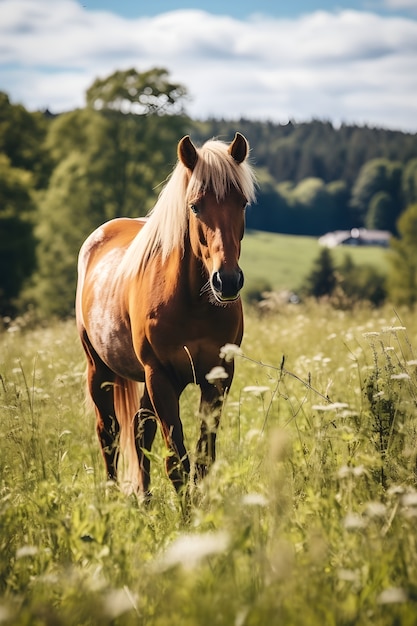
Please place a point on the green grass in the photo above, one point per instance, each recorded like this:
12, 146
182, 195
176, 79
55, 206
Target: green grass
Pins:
284, 261
308, 516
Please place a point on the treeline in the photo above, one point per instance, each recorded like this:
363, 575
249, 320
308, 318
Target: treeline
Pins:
316, 178
61, 176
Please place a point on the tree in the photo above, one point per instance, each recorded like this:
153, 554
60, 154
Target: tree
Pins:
402, 277
145, 93
108, 165
17, 240
409, 182
361, 282
22, 136
322, 279
382, 212
378, 175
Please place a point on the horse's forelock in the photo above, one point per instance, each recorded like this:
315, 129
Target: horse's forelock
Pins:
218, 171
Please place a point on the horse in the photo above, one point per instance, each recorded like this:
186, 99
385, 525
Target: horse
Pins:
157, 298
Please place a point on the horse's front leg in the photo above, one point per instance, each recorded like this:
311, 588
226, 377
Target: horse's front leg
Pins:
145, 429
212, 398
164, 396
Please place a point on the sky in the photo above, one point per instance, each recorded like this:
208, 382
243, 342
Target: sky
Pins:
343, 61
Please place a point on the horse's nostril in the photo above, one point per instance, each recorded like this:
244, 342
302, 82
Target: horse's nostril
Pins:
241, 280
227, 284
217, 281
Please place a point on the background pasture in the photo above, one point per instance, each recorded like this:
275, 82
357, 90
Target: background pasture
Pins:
283, 261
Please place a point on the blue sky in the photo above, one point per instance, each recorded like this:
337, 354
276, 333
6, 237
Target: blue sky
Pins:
351, 62
244, 8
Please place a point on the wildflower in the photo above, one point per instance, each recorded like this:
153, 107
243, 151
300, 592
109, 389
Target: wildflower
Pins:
393, 329
188, 550
348, 575
401, 376
412, 362
392, 595
257, 390
409, 499
347, 470
118, 601
332, 406
370, 334
375, 509
26, 551
229, 351
216, 373
353, 521
254, 499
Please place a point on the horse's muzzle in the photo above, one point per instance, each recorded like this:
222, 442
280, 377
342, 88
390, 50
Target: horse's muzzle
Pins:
227, 285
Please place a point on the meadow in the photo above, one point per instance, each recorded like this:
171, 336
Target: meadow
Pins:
282, 262
307, 517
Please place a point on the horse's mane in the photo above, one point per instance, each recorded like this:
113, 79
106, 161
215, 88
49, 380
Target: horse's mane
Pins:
166, 226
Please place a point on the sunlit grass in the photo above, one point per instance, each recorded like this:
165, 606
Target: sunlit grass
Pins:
308, 515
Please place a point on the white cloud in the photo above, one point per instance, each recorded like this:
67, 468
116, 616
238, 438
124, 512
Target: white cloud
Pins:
397, 5
347, 66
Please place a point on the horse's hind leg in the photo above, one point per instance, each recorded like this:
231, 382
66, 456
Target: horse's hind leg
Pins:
100, 382
145, 428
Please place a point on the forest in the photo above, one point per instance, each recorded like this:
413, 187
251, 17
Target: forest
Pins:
63, 175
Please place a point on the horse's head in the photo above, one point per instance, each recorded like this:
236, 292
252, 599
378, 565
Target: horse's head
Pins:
220, 187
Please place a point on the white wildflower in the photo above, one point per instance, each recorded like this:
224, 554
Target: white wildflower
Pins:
347, 470
409, 499
254, 499
188, 550
353, 521
229, 351
118, 601
216, 373
370, 334
412, 362
392, 595
349, 575
401, 376
332, 406
393, 329
257, 390
375, 509
344, 471
26, 551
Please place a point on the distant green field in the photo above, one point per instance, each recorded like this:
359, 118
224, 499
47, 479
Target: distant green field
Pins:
283, 261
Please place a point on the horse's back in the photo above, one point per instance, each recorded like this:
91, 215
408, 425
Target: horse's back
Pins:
98, 261
116, 234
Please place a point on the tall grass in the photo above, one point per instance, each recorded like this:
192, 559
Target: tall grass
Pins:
308, 516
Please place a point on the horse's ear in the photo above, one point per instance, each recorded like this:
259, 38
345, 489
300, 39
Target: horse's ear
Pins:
187, 153
239, 148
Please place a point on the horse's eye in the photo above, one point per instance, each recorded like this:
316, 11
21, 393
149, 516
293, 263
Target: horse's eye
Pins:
194, 209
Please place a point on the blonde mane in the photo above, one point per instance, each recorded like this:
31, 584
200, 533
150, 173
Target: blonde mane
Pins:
166, 226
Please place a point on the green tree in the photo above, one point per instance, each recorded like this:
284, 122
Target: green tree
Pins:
382, 212
108, 165
322, 279
143, 93
376, 176
402, 277
409, 182
22, 136
17, 240
361, 282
